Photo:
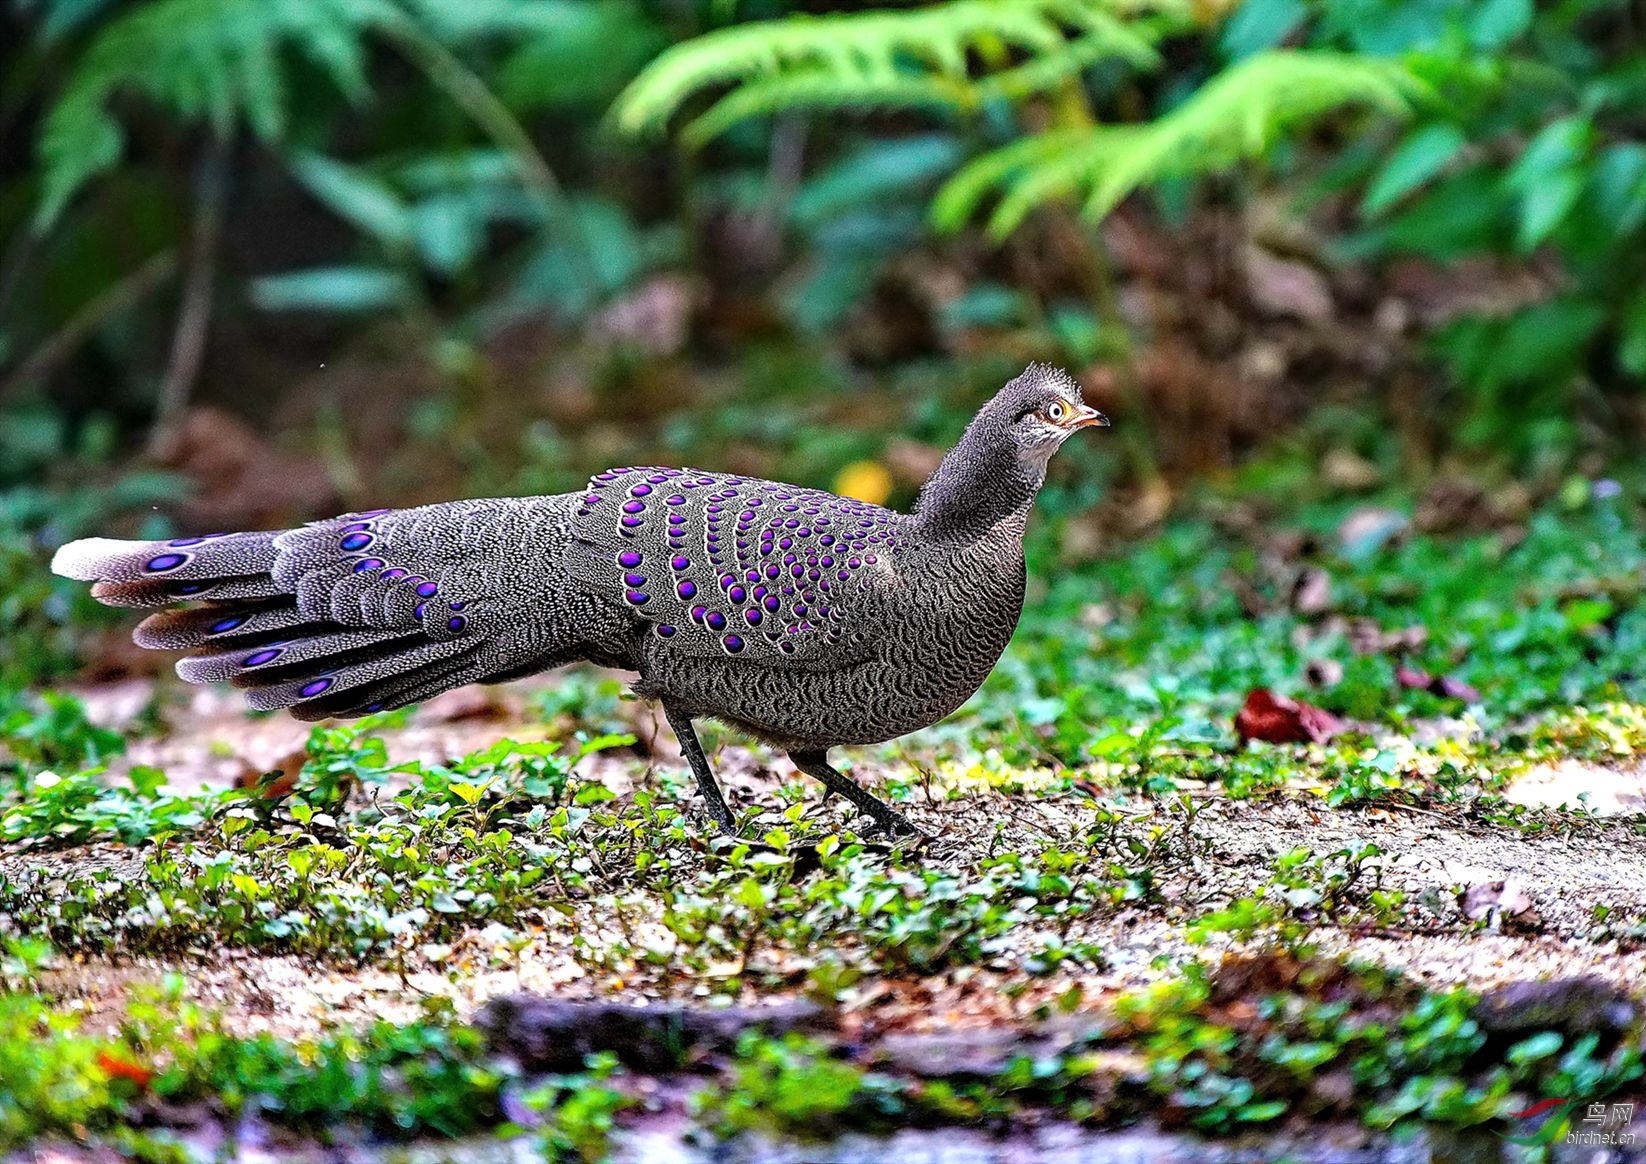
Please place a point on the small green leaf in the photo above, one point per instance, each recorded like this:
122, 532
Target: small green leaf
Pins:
1619, 187
1257, 1113
1631, 344
147, 780
1420, 157
450, 230
339, 289
1548, 177
469, 794
1260, 24
361, 198
1496, 23
1545, 206
1538, 1046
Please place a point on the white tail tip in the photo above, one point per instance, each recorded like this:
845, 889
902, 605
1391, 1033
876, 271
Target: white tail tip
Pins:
87, 558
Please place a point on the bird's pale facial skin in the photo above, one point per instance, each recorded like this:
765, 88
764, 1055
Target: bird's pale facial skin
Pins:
1041, 431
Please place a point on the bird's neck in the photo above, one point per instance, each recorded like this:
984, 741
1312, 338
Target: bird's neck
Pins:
979, 486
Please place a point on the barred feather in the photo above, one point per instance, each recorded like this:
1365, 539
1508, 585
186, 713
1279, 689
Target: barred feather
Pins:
335, 680
215, 556
329, 617
807, 619
219, 623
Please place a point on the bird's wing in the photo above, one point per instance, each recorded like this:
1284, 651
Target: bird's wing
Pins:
724, 566
367, 610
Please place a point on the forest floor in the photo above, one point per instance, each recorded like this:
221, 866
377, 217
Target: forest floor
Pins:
1538, 888
1131, 930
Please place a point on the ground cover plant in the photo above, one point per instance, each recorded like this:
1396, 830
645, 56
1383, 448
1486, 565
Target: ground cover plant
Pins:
1112, 869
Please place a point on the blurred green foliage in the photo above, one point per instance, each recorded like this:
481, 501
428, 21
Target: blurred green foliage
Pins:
67, 1080
487, 163
1505, 130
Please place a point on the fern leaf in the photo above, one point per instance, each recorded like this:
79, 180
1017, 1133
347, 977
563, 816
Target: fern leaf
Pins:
889, 57
221, 62
818, 89
211, 60
958, 199
1108, 38
1236, 116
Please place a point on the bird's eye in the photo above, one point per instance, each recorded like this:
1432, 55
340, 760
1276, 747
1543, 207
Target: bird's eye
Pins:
1054, 411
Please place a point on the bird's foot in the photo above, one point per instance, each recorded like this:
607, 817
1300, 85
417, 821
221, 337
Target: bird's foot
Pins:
715, 823
893, 826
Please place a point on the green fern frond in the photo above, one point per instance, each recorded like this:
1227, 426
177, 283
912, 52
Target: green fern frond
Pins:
1111, 39
222, 62
1237, 116
958, 199
207, 60
896, 57
819, 90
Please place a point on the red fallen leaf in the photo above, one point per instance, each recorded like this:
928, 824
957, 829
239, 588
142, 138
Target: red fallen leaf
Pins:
116, 1067
1274, 719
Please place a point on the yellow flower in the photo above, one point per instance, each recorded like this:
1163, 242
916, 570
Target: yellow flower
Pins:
865, 480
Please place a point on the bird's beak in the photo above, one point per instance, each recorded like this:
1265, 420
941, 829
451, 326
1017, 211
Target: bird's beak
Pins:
1088, 418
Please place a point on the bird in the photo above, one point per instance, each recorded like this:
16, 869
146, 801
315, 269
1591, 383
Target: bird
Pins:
803, 619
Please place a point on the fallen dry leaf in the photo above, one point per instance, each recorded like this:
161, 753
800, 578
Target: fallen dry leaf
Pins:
655, 317
118, 1067
1499, 903
1366, 637
1287, 288
241, 481
1445, 686
1312, 592
274, 783
1323, 672
1412, 677
1274, 719
1455, 689
1348, 470
1369, 528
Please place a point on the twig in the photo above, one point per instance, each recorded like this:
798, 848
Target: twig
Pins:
470, 93
188, 341
120, 296
1406, 807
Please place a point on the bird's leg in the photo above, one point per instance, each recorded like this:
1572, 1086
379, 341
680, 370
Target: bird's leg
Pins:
693, 751
816, 763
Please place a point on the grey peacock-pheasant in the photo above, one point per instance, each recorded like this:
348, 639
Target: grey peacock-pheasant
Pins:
804, 619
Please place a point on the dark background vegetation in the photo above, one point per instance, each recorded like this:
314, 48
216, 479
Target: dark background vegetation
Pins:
263, 260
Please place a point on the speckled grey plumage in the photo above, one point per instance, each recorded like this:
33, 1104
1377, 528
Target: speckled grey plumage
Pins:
806, 619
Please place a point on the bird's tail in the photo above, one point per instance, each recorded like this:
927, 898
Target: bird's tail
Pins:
360, 613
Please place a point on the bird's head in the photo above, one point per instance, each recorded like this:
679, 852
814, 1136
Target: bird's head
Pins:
1000, 462
1041, 409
